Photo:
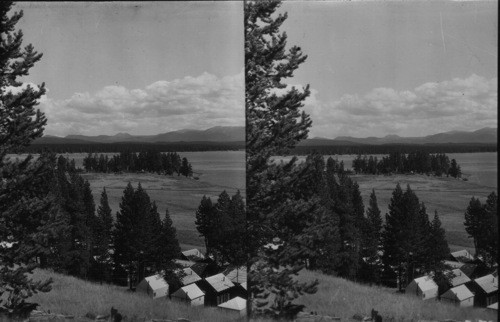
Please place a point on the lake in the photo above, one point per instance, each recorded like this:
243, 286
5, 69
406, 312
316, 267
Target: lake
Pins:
448, 196
480, 168
216, 170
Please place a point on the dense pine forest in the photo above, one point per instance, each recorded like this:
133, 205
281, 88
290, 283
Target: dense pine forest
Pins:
414, 162
393, 148
129, 146
150, 161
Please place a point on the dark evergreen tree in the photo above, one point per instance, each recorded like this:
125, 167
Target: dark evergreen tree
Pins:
233, 241
274, 124
184, 169
168, 250
24, 196
490, 252
474, 222
455, 170
205, 222
394, 234
104, 238
437, 248
125, 237
372, 244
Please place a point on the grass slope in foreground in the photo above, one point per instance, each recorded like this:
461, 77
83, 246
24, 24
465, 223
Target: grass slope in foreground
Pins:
341, 298
72, 296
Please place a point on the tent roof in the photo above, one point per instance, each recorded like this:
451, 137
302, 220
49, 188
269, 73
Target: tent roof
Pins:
460, 292
488, 283
184, 263
462, 255
425, 283
190, 276
191, 291
193, 253
156, 282
459, 277
454, 264
236, 304
493, 306
219, 282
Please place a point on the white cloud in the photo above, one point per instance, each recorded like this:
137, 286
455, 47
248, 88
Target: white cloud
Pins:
191, 102
457, 104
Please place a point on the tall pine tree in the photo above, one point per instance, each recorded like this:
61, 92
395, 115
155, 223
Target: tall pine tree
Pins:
274, 124
24, 195
104, 238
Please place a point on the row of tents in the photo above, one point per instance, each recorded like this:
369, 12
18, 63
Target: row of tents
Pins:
469, 285
202, 283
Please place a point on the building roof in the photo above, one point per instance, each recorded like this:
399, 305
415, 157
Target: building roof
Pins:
219, 282
237, 275
493, 306
460, 293
462, 256
236, 304
191, 292
454, 264
193, 253
199, 268
156, 282
459, 277
184, 263
425, 283
189, 276
244, 285
488, 283
468, 269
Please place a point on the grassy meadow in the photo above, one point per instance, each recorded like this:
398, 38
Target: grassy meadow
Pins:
342, 298
72, 296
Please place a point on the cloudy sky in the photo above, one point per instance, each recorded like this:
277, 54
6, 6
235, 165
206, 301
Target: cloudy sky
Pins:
375, 68
406, 68
141, 68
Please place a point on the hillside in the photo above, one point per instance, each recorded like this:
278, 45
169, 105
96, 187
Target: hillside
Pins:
482, 136
341, 298
214, 134
72, 296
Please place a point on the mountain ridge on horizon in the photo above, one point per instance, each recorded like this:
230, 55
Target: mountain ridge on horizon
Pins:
483, 135
237, 133
213, 134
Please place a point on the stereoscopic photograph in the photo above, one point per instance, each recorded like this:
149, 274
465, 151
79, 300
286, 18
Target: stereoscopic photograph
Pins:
264, 160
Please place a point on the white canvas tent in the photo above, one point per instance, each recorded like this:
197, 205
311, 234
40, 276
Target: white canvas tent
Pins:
237, 304
154, 286
459, 278
423, 287
459, 295
191, 294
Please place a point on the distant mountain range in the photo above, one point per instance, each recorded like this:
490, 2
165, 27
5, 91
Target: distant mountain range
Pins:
214, 134
237, 134
485, 135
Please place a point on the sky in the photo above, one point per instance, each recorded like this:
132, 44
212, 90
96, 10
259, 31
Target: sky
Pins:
410, 68
135, 67
404, 68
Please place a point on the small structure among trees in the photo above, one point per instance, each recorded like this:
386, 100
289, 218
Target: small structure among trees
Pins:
190, 294
154, 286
459, 295
423, 287
486, 290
